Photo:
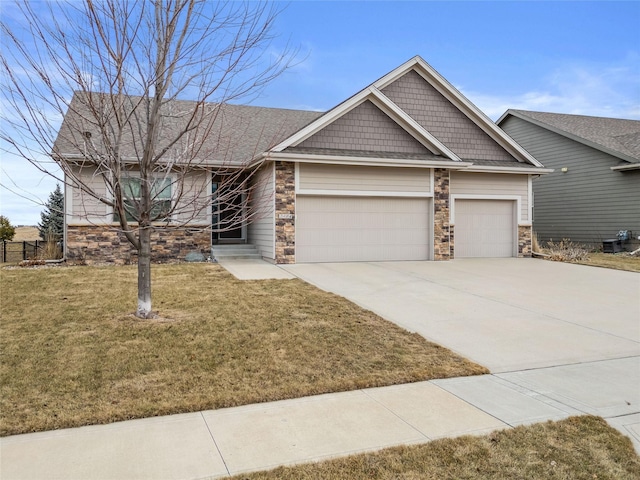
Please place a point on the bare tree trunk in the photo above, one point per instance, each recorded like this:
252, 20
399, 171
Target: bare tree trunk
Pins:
144, 274
118, 80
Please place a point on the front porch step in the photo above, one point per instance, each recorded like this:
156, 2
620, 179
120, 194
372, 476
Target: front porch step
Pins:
233, 252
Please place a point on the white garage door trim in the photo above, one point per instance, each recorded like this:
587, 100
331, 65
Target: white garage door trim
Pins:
366, 228
470, 196
486, 227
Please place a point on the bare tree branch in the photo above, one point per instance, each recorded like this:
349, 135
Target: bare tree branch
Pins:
130, 98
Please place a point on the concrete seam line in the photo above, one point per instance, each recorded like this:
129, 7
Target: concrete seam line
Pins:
226, 467
469, 403
427, 437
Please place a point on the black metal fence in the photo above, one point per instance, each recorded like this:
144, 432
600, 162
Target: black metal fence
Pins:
14, 252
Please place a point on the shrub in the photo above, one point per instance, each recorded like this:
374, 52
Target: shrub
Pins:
7, 231
567, 251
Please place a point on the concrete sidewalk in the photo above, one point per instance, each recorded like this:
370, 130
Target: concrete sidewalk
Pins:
254, 269
218, 443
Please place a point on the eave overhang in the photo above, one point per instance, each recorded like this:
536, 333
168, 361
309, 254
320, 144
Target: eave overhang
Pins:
571, 136
79, 160
363, 161
519, 170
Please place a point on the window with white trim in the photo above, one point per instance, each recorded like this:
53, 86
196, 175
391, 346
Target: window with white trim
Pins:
160, 198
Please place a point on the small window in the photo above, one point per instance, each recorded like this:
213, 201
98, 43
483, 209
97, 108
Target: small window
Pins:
160, 198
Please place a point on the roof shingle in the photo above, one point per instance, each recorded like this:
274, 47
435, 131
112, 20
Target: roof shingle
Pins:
616, 135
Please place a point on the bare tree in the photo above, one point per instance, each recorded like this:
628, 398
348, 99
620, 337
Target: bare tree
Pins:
142, 87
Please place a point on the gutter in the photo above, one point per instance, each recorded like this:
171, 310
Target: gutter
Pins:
492, 169
365, 161
624, 168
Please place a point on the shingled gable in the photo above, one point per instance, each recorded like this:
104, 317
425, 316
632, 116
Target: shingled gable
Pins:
615, 136
468, 131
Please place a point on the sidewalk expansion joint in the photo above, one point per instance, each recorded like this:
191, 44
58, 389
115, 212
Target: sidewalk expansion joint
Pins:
474, 406
226, 467
427, 438
570, 364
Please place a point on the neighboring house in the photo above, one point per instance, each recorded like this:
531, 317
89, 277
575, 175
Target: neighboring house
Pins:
405, 169
594, 191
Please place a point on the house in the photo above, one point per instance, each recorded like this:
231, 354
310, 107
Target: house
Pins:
594, 191
405, 169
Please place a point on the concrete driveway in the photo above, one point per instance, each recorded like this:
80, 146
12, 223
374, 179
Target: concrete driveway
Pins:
506, 314
559, 339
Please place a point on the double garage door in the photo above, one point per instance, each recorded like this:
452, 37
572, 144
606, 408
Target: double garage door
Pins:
358, 229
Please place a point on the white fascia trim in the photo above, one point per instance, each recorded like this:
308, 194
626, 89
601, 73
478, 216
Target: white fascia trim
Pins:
530, 201
68, 199
452, 94
623, 168
520, 170
473, 196
412, 127
365, 161
396, 73
432, 180
296, 180
362, 193
323, 121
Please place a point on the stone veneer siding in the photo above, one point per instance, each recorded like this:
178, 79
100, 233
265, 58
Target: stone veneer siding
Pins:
285, 212
441, 228
524, 241
452, 243
99, 244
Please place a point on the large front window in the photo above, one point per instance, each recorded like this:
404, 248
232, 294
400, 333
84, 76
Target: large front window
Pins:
160, 198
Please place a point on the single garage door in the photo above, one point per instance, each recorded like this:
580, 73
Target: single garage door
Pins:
485, 228
358, 229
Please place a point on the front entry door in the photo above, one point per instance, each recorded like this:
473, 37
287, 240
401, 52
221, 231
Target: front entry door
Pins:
228, 214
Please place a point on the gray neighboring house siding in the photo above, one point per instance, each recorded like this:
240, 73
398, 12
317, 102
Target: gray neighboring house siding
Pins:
588, 202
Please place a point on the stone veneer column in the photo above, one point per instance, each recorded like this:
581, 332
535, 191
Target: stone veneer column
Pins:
524, 240
285, 212
441, 228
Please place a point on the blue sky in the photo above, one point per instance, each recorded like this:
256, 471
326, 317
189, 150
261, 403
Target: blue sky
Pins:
568, 57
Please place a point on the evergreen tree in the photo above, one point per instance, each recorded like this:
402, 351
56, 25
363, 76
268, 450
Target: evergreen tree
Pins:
52, 218
7, 231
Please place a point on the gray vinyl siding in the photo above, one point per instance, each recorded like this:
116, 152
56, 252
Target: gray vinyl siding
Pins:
85, 209
483, 185
193, 206
344, 178
366, 127
589, 202
262, 205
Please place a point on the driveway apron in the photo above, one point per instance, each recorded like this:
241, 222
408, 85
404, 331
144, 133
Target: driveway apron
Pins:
559, 339
506, 314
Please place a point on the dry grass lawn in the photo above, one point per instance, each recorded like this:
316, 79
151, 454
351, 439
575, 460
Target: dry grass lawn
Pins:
26, 234
72, 354
618, 261
576, 448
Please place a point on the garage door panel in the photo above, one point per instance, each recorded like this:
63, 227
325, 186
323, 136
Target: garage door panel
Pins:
337, 229
485, 228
